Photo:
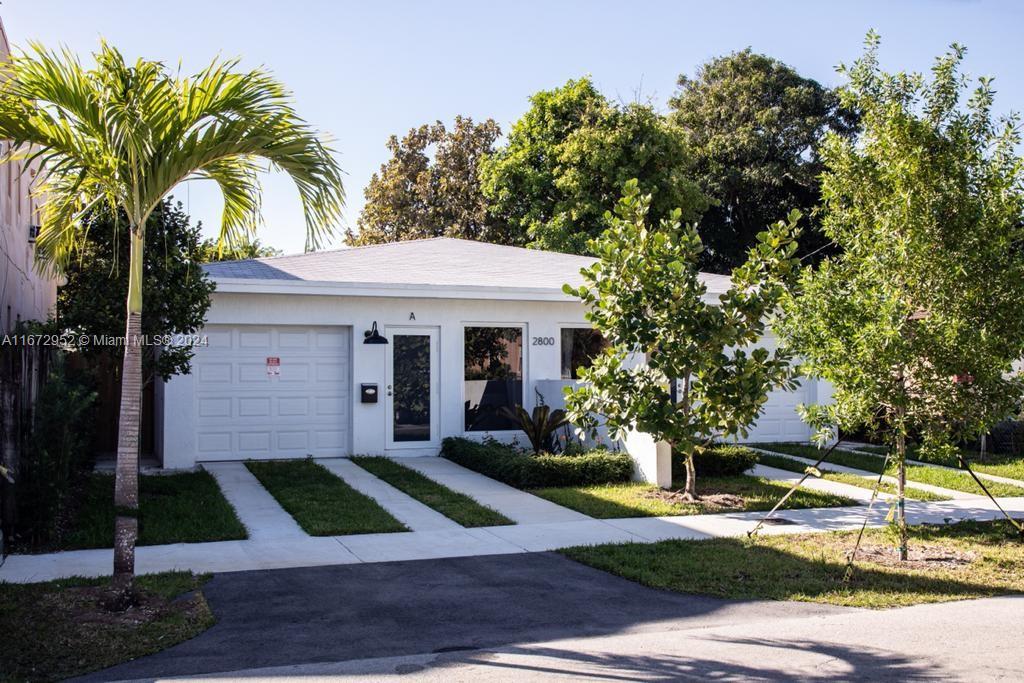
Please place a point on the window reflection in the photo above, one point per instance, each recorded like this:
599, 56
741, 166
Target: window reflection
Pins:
579, 347
493, 376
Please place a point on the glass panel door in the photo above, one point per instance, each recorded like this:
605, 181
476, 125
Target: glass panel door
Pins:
412, 388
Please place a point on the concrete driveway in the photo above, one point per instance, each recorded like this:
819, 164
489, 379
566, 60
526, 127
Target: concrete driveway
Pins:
282, 617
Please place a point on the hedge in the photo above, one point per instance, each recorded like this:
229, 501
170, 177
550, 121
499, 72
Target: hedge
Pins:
515, 468
722, 460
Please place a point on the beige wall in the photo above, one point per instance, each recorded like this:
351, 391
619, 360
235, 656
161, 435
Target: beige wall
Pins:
24, 293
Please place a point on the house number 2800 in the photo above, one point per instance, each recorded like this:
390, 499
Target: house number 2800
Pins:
543, 341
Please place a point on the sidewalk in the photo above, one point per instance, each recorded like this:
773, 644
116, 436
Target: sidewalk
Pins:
226, 556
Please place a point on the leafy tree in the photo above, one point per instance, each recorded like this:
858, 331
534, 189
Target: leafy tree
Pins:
176, 291
122, 136
917, 321
430, 188
211, 250
646, 296
568, 157
754, 127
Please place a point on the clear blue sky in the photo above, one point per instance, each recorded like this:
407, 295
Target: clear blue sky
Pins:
364, 70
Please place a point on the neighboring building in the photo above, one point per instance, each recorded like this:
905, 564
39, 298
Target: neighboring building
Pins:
291, 368
25, 294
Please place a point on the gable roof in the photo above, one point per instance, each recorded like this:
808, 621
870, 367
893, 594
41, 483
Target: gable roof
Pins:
426, 267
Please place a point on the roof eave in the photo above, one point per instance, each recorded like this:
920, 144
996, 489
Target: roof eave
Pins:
380, 289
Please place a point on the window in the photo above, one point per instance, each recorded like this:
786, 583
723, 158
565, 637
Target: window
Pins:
579, 347
493, 375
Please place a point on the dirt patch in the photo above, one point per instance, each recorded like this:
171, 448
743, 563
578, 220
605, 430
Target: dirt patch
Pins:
922, 557
711, 501
84, 605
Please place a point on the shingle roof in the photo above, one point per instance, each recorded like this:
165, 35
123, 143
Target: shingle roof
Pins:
441, 261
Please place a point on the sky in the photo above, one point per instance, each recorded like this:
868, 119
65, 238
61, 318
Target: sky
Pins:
361, 71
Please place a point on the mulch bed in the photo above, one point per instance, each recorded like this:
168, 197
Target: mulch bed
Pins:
923, 557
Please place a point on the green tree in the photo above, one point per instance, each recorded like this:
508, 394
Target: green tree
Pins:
176, 291
754, 127
568, 157
917, 321
430, 187
249, 248
122, 135
647, 297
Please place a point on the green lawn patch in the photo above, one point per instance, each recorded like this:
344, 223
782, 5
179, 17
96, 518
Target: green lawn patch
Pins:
456, 506
921, 474
186, 507
955, 562
1009, 466
783, 463
56, 630
321, 503
719, 494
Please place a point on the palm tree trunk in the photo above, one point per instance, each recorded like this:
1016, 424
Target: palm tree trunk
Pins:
126, 480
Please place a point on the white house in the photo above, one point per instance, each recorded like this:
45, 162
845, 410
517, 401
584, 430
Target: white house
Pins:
291, 367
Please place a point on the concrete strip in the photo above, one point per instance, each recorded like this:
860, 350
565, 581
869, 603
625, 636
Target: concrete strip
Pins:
541, 537
832, 467
519, 506
860, 493
259, 512
405, 508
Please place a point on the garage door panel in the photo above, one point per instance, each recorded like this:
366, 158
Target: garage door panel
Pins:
242, 412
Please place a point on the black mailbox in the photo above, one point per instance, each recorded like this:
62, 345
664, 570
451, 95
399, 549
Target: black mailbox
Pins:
368, 393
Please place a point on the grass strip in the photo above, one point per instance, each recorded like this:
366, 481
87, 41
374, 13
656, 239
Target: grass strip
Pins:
321, 503
921, 474
57, 630
456, 506
613, 501
1009, 466
968, 560
186, 507
783, 463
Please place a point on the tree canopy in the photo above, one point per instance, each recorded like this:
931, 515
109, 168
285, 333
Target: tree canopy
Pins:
567, 159
176, 290
754, 127
917, 321
646, 296
430, 187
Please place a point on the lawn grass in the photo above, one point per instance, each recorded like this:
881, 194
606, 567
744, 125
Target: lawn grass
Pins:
186, 507
784, 463
613, 501
321, 503
810, 567
456, 506
56, 630
921, 474
1009, 466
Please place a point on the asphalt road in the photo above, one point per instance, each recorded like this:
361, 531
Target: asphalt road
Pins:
438, 609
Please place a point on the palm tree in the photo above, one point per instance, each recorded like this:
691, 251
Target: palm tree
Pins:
122, 136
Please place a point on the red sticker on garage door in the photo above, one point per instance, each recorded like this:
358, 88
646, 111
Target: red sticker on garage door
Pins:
273, 366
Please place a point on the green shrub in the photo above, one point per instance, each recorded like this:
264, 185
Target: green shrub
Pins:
722, 460
57, 451
511, 466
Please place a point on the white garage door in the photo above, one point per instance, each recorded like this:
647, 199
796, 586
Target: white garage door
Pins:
272, 392
780, 421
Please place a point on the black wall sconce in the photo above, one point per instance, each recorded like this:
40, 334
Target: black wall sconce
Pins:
372, 336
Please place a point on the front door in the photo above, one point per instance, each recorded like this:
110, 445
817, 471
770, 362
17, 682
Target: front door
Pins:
412, 388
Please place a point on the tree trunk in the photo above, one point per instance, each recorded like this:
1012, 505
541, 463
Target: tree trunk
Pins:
126, 480
690, 491
901, 485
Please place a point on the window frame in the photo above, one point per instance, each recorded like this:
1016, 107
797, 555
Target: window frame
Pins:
524, 330
571, 326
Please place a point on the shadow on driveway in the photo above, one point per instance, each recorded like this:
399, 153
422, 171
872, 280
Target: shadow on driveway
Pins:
328, 614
